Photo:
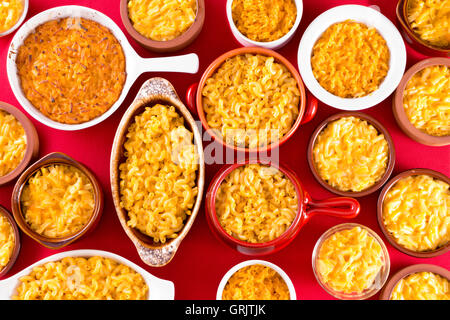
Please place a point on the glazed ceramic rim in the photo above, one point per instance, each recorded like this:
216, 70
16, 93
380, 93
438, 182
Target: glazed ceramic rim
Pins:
387, 234
251, 50
275, 44
55, 158
384, 270
17, 244
32, 147
399, 111
403, 273
175, 44
233, 270
380, 128
26, 4
367, 16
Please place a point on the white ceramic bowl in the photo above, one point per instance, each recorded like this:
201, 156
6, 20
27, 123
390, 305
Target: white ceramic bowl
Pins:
19, 22
135, 64
158, 289
370, 17
276, 44
227, 276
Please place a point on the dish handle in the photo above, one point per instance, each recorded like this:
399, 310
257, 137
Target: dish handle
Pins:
311, 108
157, 257
5, 288
340, 207
191, 94
188, 63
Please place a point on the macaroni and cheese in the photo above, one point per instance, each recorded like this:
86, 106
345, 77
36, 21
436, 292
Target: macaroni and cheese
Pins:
78, 278
256, 282
7, 241
158, 178
350, 260
416, 211
350, 59
162, 20
10, 13
426, 100
58, 201
350, 154
429, 19
256, 203
13, 143
251, 100
72, 70
422, 286
264, 20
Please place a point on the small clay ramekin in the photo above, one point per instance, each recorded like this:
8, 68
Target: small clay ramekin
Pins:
32, 149
412, 38
381, 129
16, 249
399, 111
413, 172
176, 44
403, 273
52, 159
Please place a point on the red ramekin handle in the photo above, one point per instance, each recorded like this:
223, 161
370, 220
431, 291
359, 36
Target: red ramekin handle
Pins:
311, 108
190, 98
340, 207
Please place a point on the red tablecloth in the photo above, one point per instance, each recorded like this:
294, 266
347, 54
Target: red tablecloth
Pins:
202, 260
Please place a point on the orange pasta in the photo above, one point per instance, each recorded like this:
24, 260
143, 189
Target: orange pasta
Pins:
10, 13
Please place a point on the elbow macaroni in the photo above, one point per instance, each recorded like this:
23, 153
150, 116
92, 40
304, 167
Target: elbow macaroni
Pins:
350, 260
58, 201
256, 282
416, 211
251, 100
256, 203
10, 13
162, 20
7, 241
264, 20
422, 286
350, 59
350, 154
426, 100
158, 179
13, 143
78, 278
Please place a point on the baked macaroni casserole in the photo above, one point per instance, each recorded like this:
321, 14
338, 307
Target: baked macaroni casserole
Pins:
13, 143
7, 241
10, 13
422, 286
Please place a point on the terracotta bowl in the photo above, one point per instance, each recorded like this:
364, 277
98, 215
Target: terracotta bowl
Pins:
403, 273
412, 38
307, 107
26, 4
399, 111
51, 159
32, 149
387, 234
16, 249
379, 127
338, 207
155, 90
176, 44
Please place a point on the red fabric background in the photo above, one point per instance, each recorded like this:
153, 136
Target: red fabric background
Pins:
202, 260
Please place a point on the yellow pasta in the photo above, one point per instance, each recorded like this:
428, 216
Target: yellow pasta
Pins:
162, 20
350, 59
7, 241
264, 20
422, 286
251, 100
58, 201
10, 13
158, 179
430, 20
426, 100
256, 282
256, 203
13, 143
416, 211
350, 260
350, 154
79, 278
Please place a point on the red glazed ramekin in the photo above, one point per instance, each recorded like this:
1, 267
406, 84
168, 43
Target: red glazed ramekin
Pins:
307, 107
341, 207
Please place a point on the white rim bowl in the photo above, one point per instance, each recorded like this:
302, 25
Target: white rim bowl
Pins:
276, 44
19, 22
233, 270
371, 18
